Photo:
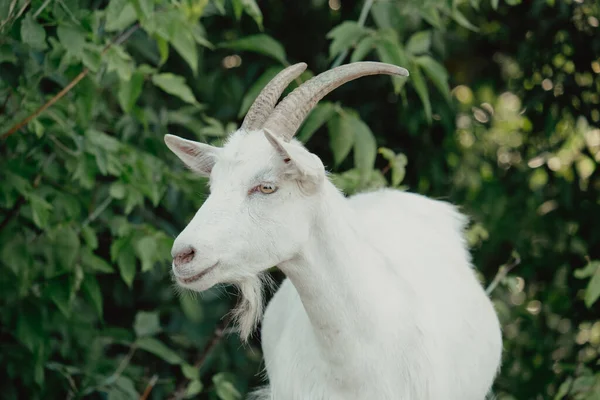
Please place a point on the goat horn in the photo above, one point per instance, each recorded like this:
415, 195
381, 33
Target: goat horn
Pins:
267, 98
293, 109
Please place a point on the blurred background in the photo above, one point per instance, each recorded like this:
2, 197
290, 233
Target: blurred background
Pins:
500, 115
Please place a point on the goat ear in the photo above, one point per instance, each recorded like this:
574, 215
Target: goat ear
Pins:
300, 164
199, 157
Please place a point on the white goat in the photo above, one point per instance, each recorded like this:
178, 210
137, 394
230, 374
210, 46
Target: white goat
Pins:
380, 300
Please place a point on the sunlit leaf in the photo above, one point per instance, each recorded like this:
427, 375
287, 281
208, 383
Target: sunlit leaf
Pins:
363, 48
592, 292
119, 15
146, 323
249, 7
225, 389
343, 36
159, 349
194, 387
419, 43
175, 85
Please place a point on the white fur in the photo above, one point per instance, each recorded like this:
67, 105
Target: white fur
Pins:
380, 300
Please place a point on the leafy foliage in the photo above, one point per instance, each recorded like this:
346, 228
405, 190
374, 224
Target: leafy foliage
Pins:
500, 114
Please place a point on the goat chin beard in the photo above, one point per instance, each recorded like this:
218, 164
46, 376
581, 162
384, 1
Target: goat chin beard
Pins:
250, 306
249, 310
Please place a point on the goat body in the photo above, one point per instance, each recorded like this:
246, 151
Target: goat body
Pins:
380, 300
382, 303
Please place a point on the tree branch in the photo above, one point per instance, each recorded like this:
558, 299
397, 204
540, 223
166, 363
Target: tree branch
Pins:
118, 40
502, 272
361, 22
216, 337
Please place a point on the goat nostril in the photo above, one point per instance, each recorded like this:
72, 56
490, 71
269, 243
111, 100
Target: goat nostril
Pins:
184, 256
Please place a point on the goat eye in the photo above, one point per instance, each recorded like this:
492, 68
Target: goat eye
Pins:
267, 188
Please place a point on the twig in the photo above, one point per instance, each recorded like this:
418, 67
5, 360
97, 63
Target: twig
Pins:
148, 389
5, 102
96, 213
42, 7
124, 363
120, 39
361, 22
216, 337
502, 272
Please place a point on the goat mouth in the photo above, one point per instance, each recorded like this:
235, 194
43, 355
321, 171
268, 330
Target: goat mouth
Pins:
198, 276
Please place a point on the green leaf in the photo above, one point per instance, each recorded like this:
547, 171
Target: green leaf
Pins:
92, 291
390, 51
40, 210
32, 33
159, 349
462, 20
175, 85
249, 7
419, 43
190, 372
59, 291
364, 47
191, 307
89, 236
317, 117
193, 388
119, 15
145, 248
163, 48
91, 57
117, 190
72, 38
146, 324
495, 7
421, 88
225, 389
398, 169
126, 263
65, 248
123, 389
119, 61
120, 252
432, 16
261, 43
255, 89
341, 136
29, 329
143, 8
343, 36
93, 263
365, 149
588, 270
437, 73
183, 41
130, 90
592, 292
